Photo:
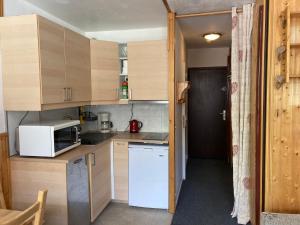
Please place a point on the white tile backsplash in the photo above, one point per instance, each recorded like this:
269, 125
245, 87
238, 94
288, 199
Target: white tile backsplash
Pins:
153, 116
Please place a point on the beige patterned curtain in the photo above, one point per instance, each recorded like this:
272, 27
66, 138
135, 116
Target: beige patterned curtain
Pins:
240, 115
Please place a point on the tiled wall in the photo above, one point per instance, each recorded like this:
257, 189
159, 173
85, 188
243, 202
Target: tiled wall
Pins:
155, 117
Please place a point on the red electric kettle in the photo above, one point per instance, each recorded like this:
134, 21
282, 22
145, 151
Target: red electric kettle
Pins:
135, 126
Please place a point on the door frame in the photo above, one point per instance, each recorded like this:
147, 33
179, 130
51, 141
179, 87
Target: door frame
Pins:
171, 86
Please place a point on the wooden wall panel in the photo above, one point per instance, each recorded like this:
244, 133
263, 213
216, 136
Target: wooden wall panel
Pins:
5, 169
283, 119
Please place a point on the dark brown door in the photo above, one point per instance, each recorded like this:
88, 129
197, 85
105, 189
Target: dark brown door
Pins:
206, 103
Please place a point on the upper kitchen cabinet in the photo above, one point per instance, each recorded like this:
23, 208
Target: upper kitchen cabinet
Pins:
105, 69
52, 61
148, 70
78, 66
36, 65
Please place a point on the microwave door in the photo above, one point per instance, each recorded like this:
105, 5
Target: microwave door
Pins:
65, 138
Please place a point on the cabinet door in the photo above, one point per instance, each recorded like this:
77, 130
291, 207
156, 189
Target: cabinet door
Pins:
52, 61
20, 63
78, 66
148, 70
100, 180
121, 170
105, 66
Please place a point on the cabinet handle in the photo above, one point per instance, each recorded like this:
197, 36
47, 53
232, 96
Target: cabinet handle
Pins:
68, 94
68, 97
94, 159
65, 95
117, 94
70, 89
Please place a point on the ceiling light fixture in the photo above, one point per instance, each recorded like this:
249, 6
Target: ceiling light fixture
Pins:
212, 36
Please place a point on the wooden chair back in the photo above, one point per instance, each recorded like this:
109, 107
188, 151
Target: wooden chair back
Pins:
34, 213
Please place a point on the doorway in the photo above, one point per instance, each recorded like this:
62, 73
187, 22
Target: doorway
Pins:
207, 193
207, 110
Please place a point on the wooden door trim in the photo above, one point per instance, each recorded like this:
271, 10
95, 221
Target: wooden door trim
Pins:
171, 84
259, 119
167, 6
1, 8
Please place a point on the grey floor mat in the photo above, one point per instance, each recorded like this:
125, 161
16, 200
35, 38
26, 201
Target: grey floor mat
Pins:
279, 219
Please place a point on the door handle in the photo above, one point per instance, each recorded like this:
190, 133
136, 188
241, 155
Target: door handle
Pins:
77, 161
223, 113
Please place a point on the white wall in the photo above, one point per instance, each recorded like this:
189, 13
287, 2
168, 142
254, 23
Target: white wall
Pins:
155, 117
123, 36
21, 7
207, 57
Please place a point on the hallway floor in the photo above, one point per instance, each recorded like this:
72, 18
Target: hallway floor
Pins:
207, 194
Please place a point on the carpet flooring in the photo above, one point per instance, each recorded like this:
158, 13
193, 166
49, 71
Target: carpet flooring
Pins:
206, 196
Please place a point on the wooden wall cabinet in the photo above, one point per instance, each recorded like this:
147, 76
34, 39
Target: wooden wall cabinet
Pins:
100, 179
52, 61
78, 66
105, 71
38, 64
148, 70
120, 162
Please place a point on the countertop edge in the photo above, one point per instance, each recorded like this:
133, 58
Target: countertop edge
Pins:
84, 150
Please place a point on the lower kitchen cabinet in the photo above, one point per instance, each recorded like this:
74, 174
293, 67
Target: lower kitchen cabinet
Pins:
31, 175
100, 179
120, 162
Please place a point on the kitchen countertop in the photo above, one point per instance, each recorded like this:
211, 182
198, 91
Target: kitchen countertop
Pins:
87, 149
143, 137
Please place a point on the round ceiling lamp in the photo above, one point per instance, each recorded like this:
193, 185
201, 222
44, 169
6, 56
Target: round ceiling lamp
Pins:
212, 36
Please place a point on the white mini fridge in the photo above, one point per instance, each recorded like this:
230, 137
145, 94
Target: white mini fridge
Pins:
148, 176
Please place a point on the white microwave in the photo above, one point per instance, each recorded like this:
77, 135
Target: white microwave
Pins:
48, 138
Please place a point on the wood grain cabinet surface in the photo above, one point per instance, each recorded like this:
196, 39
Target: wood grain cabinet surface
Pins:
148, 70
105, 71
120, 161
38, 66
100, 179
78, 66
28, 177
